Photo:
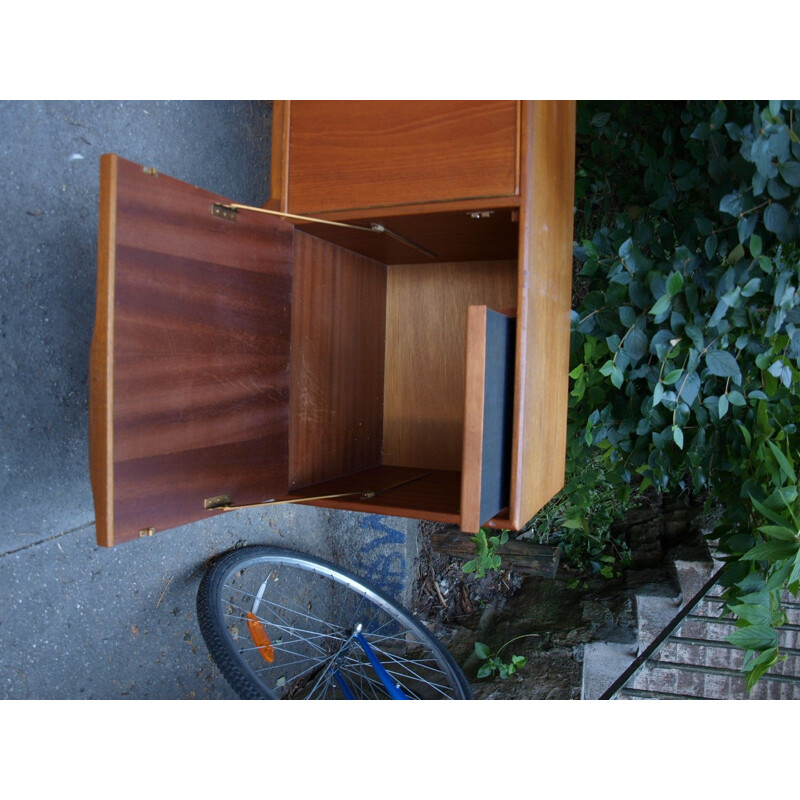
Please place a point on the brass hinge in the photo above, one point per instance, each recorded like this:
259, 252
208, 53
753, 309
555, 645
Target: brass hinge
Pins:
219, 501
218, 210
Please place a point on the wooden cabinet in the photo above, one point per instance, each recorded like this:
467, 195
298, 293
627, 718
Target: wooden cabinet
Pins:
410, 359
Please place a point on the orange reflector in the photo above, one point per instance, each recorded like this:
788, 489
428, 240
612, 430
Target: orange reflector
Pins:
260, 637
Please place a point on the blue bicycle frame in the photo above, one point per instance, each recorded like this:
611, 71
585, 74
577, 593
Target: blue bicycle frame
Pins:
393, 689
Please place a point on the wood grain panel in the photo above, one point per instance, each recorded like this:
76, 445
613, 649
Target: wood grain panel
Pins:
425, 355
338, 327
190, 362
359, 154
543, 324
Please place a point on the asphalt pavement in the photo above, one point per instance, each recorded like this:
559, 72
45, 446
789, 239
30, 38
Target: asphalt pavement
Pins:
78, 620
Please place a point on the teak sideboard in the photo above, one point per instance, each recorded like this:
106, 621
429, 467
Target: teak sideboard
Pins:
394, 340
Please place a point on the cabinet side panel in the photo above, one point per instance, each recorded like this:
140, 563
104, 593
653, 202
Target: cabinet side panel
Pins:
545, 296
338, 328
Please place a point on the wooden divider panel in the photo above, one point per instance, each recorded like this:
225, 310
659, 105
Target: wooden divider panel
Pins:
487, 416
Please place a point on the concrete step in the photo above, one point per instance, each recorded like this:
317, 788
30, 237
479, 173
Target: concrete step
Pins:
682, 668
654, 613
659, 678
692, 575
603, 663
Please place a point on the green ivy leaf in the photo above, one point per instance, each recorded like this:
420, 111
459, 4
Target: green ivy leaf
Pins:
790, 172
627, 316
732, 204
695, 334
755, 245
766, 660
633, 258
661, 305
674, 283
737, 254
722, 364
636, 343
689, 388
777, 190
485, 671
755, 615
677, 436
776, 218
736, 398
752, 286
482, 651
771, 551
780, 532
767, 512
746, 226
783, 462
754, 637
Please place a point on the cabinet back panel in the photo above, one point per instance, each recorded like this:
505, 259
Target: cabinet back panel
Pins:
338, 324
426, 323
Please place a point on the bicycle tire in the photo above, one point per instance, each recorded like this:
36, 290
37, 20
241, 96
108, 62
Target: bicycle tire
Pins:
319, 647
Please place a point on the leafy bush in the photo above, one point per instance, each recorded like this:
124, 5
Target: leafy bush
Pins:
580, 517
686, 338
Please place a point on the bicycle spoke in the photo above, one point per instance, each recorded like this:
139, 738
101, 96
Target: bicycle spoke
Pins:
273, 604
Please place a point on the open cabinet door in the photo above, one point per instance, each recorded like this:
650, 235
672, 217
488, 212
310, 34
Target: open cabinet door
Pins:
189, 373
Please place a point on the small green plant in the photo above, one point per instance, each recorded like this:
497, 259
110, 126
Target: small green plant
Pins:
493, 663
485, 555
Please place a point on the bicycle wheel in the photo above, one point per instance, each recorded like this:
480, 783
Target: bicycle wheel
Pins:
283, 625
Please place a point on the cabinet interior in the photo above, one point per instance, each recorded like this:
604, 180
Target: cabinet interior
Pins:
378, 355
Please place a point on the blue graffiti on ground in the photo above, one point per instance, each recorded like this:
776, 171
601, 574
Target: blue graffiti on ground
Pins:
387, 567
